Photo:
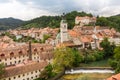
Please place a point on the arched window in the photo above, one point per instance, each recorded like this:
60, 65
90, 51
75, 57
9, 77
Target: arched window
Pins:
2, 55
27, 50
41, 49
35, 49
11, 54
20, 52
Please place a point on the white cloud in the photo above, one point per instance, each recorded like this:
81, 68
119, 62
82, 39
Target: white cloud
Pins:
28, 9
13, 8
110, 10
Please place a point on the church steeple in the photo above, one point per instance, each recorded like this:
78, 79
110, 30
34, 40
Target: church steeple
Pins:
63, 29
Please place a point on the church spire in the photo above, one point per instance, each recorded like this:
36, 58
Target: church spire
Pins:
63, 29
63, 16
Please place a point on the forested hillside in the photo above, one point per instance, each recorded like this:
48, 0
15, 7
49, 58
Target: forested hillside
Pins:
113, 21
54, 21
9, 23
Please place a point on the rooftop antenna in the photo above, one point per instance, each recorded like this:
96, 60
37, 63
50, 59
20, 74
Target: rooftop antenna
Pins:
63, 16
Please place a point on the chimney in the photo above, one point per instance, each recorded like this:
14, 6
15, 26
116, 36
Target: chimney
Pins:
30, 51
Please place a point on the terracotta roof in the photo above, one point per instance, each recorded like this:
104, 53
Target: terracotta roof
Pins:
86, 38
73, 33
24, 67
39, 48
66, 44
114, 77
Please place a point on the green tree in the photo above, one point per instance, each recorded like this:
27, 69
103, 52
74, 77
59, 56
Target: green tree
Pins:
115, 62
107, 47
102, 21
78, 58
63, 58
47, 73
45, 37
2, 69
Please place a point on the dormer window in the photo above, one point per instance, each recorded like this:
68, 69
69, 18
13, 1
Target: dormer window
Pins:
2, 55
35, 49
27, 50
11, 54
20, 52
41, 49
64, 26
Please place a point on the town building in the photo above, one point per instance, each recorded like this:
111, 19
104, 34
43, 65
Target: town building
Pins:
25, 62
114, 77
86, 36
84, 20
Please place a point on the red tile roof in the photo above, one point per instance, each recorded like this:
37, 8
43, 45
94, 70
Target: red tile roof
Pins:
114, 77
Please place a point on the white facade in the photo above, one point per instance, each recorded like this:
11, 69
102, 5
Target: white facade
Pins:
84, 20
19, 59
20, 67
63, 31
116, 41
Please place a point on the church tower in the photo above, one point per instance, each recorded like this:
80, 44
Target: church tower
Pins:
63, 29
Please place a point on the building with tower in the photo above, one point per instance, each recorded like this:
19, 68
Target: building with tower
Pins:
63, 36
64, 30
25, 62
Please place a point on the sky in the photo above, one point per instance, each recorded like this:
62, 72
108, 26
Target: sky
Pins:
29, 9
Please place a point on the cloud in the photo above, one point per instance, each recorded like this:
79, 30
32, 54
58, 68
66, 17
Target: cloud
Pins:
13, 8
28, 9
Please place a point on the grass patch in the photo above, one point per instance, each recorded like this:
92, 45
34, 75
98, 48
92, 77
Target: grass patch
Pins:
102, 63
87, 76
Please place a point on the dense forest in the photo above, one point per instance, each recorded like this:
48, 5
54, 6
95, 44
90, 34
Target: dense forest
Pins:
113, 21
9, 23
54, 21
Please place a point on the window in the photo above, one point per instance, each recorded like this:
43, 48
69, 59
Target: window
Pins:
5, 59
31, 72
35, 49
9, 78
10, 63
2, 55
23, 74
64, 26
14, 77
38, 57
41, 49
19, 61
19, 76
27, 78
6, 64
11, 54
20, 52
